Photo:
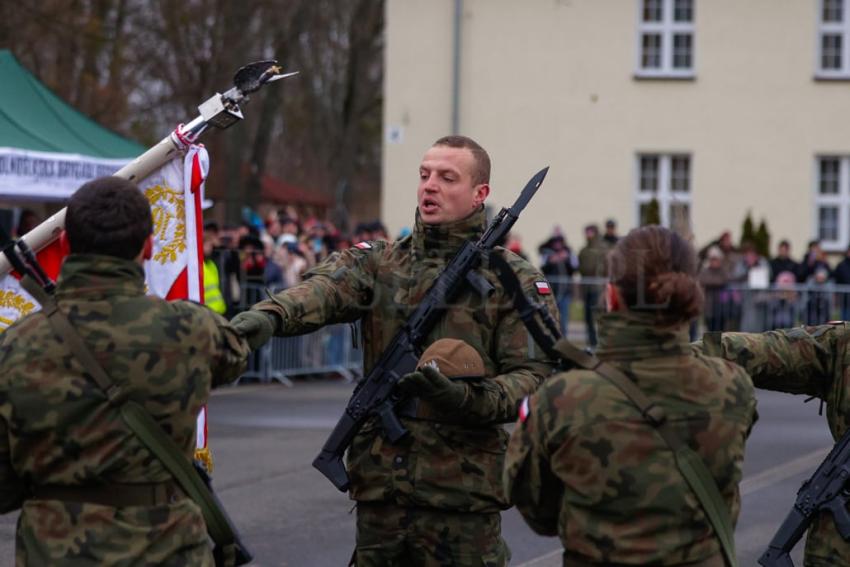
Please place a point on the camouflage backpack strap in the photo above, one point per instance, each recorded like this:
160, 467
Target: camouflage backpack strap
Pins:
227, 552
689, 463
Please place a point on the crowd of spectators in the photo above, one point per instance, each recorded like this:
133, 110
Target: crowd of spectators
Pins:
275, 253
746, 291
743, 289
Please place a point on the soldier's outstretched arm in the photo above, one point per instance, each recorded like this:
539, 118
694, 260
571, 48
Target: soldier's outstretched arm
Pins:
210, 333
230, 352
337, 290
798, 361
528, 480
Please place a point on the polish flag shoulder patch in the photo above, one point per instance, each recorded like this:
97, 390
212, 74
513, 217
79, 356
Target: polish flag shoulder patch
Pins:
543, 288
524, 410
363, 245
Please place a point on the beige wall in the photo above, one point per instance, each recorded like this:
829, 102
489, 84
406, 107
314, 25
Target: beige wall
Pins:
552, 82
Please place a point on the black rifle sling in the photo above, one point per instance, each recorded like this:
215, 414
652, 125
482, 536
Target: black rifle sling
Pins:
141, 424
689, 463
544, 335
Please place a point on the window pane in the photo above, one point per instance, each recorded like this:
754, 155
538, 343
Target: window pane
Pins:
680, 218
651, 52
828, 223
649, 213
680, 175
683, 11
833, 10
682, 47
649, 173
652, 10
830, 55
829, 168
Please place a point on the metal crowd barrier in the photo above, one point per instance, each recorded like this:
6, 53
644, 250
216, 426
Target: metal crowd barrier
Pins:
739, 307
326, 351
733, 307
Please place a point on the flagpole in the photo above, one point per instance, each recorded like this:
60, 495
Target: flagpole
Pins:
220, 110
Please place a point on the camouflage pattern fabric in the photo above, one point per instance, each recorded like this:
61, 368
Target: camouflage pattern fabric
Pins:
814, 361
56, 427
388, 536
583, 464
455, 467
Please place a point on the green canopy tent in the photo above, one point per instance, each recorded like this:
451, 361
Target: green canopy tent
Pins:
48, 148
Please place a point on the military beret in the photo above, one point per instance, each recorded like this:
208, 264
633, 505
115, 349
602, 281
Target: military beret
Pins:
453, 358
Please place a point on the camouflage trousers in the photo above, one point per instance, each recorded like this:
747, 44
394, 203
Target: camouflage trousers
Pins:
389, 535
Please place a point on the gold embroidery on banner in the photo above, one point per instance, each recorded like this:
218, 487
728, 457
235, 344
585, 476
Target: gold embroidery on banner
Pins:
13, 300
169, 215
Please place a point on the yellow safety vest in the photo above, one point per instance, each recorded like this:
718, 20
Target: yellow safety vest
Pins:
212, 291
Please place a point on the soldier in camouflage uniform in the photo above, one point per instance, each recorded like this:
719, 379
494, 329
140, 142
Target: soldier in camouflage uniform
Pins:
89, 491
584, 464
814, 361
435, 497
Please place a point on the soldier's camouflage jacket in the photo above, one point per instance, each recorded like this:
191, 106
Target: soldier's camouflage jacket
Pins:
814, 361
451, 466
585, 465
56, 427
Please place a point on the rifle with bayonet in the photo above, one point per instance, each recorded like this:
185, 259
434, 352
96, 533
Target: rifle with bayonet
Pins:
193, 479
219, 111
376, 393
828, 490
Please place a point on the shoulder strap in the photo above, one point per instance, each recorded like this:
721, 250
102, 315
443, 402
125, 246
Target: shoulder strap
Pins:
145, 428
689, 463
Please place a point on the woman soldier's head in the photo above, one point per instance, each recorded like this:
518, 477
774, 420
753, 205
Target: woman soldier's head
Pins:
653, 270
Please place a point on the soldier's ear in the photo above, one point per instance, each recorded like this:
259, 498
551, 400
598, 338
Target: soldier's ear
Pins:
481, 193
147, 251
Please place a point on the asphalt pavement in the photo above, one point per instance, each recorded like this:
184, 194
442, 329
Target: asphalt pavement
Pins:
264, 437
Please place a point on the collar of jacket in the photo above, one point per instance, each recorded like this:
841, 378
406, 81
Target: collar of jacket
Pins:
92, 276
443, 240
631, 335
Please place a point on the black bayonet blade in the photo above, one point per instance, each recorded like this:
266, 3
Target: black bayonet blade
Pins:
528, 192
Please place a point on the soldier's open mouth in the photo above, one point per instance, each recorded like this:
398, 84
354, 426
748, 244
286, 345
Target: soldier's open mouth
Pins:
429, 206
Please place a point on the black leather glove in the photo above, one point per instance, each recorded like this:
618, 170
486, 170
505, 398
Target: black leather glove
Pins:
430, 385
257, 326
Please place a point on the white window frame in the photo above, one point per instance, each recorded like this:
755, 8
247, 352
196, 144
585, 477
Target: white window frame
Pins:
842, 29
666, 28
841, 200
664, 194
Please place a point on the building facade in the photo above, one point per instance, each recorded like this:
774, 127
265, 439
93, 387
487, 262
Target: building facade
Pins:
709, 108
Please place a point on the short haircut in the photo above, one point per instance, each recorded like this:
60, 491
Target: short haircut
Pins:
481, 173
108, 216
